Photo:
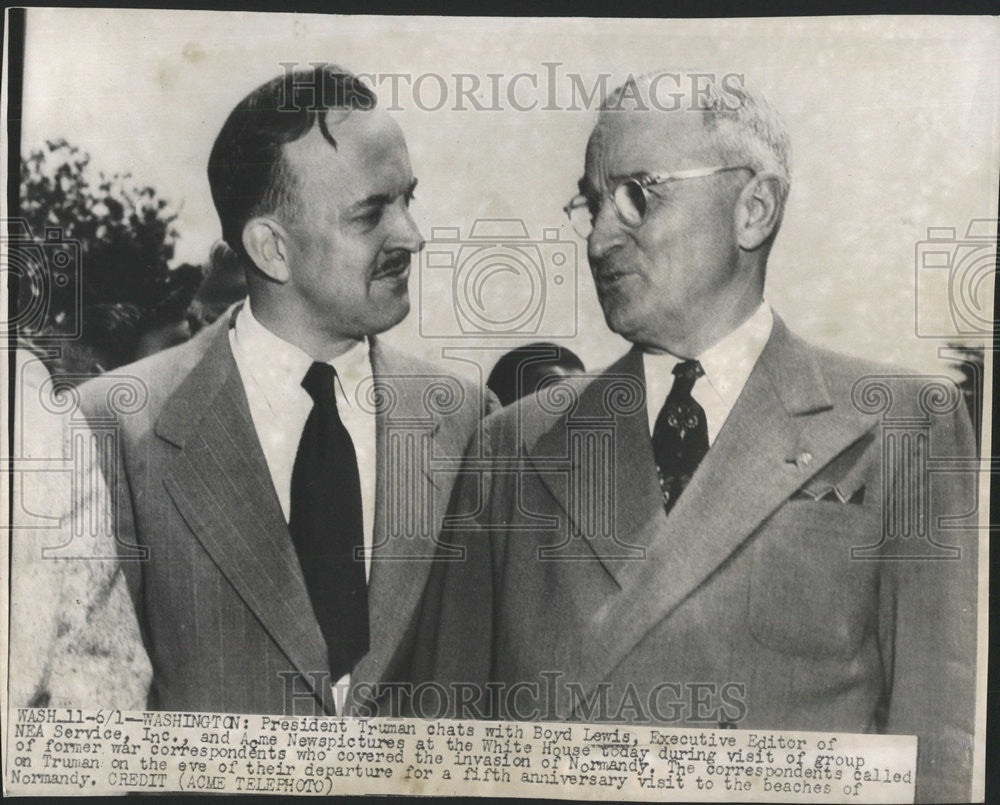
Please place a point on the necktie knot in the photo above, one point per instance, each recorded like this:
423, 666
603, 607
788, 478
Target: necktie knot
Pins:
685, 375
319, 382
689, 370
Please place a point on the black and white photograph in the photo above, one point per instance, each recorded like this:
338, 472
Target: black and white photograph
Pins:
539, 407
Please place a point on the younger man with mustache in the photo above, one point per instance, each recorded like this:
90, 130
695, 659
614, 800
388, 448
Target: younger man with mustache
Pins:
268, 475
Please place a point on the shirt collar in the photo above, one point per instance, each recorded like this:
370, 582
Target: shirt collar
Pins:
729, 361
353, 368
278, 366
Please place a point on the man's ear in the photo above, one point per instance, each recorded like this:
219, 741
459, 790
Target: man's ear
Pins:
758, 211
266, 243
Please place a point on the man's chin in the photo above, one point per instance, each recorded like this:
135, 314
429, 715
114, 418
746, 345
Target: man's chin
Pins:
404, 310
400, 310
620, 319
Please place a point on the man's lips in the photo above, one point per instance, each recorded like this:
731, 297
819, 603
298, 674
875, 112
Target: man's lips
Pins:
395, 267
608, 277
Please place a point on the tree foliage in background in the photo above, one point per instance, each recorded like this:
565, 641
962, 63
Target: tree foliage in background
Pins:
125, 233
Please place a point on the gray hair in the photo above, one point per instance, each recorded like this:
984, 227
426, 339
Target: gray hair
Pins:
743, 126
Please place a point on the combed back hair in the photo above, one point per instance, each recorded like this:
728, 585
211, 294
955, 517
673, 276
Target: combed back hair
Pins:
744, 128
246, 170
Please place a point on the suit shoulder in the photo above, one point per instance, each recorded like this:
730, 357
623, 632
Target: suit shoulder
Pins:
405, 364
431, 369
849, 378
144, 385
841, 369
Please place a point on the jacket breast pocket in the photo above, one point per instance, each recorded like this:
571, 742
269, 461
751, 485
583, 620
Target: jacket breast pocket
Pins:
808, 596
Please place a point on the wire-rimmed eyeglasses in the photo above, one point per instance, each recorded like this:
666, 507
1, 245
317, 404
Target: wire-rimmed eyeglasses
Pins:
630, 196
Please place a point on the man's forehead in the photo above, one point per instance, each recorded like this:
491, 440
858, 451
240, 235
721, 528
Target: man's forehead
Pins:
370, 150
627, 142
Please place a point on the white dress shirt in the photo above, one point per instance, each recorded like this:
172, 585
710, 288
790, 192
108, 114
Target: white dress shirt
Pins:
272, 370
727, 365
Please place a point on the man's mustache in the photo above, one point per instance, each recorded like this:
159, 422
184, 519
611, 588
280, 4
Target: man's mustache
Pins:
395, 263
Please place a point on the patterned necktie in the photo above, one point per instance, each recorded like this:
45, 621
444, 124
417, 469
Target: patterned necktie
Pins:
326, 524
680, 437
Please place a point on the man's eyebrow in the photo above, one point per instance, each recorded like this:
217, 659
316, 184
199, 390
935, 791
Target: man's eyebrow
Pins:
381, 199
585, 186
618, 177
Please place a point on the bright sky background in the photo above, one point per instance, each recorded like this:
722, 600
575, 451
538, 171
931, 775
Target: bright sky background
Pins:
894, 125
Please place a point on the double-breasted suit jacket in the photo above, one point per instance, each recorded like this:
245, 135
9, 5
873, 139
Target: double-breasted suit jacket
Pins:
818, 572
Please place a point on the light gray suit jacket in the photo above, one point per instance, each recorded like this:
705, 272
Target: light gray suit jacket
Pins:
809, 575
223, 607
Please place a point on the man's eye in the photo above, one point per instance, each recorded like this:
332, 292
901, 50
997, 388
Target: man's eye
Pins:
593, 205
370, 218
408, 197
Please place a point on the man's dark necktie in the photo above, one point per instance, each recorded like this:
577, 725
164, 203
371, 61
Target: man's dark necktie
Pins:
327, 526
680, 436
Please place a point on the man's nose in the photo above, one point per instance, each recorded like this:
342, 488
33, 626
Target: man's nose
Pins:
608, 233
405, 233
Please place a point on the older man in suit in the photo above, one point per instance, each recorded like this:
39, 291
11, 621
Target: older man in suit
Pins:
723, 528
273, 475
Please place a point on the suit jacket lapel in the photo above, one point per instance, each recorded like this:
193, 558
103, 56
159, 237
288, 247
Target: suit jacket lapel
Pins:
782, 430
220, 482
409, 504
605, 437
